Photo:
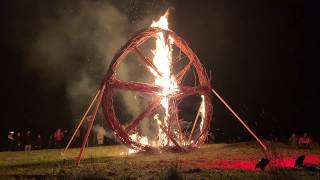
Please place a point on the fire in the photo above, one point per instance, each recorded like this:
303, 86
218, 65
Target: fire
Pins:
162, 22
162, 60
202, 112
142, 139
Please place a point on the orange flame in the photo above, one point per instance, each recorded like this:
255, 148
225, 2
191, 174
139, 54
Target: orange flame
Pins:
202, 112
162, 60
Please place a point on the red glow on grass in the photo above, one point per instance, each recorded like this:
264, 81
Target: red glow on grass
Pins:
283, 161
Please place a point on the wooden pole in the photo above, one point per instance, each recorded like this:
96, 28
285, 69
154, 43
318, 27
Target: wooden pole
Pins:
90, 125
194, 124
170, 137
181, 135
241, 121
81, 121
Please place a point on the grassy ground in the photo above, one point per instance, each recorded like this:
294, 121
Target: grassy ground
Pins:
219, 161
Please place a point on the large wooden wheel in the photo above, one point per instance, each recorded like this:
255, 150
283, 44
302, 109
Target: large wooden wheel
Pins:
111, 83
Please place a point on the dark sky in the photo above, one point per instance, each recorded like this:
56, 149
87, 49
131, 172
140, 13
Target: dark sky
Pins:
255, 51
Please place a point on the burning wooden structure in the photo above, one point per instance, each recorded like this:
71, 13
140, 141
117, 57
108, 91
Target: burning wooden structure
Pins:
166, 92
173, 95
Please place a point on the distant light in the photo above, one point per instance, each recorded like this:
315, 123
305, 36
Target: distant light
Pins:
11, 132
262, 163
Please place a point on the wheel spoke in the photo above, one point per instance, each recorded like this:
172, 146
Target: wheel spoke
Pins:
171, 136
183, 72
136, 86
147, 61
155, 104
178, 59
189, 90
175, 118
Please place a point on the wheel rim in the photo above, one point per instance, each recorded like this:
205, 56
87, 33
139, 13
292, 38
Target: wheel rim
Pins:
111, 83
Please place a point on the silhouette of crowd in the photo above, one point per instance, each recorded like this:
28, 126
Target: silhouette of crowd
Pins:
26, 141
303, 141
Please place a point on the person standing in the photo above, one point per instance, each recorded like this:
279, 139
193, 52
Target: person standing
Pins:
304, 141
58, 137
65, 138
38, 142
28, 141
50, 142
10, 140
293, 140
101, 133
77, 138
83, 129
18, 145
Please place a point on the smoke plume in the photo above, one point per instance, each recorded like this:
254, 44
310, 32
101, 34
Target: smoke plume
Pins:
75, 45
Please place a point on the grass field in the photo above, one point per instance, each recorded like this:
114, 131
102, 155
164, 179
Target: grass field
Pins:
213, 161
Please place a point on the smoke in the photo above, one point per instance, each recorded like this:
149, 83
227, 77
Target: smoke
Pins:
74, 48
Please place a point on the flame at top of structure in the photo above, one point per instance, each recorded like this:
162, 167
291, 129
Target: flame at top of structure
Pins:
162, 60
162, 22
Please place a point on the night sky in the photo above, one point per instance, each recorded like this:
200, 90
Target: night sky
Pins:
255, 51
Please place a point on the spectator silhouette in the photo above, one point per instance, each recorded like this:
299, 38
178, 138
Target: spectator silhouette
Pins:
58, 138
66, 137
38, 142
293, 140
77, 138
101, 133
10, 140
50, 142
18, 140
28, 141
304, 141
